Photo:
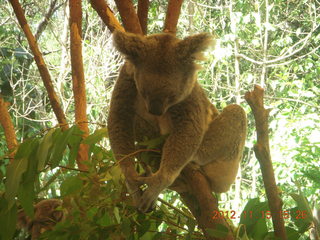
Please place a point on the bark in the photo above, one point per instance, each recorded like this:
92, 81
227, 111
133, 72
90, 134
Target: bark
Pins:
8, 128
106, 15
129, 17
202, 203
262, 152
143, 7
78, 81
44, 72
173, 13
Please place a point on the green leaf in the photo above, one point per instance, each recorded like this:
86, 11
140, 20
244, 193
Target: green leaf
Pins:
43, 150
26, 192
60, 143
253, 217
92, 212
74, 142
302, 214
220, 231
292, 234
126, 226
17, 168
8, 219
144, 227
154, 143
96, 136
70, 185
105, 220
260, 229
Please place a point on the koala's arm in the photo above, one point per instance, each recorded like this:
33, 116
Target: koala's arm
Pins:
121, 120
184, 140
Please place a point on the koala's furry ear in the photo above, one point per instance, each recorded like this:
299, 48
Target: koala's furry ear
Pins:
192, 46
129, 44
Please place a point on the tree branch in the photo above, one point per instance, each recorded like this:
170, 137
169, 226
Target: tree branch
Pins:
44, 72
262, 152
143, 7
173, 13
8, 128
201, 202
43, 24
106, 15
78, 81
129, 17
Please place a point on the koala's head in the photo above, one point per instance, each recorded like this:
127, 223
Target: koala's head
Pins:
164, 66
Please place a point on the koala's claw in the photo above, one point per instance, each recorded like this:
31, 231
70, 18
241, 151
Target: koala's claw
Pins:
148, 201
143, 187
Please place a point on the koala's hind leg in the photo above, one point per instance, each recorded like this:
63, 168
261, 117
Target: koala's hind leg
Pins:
221, 150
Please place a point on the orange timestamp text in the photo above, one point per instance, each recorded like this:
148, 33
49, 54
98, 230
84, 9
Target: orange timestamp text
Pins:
297, 214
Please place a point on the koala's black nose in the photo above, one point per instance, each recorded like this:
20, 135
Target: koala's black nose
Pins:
156, 107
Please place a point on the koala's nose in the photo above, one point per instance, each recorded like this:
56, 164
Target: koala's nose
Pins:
155, 107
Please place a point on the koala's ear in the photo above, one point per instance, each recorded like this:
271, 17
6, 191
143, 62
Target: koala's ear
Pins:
129, 44
191, 47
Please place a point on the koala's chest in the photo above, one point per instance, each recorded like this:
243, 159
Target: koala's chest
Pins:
162, 123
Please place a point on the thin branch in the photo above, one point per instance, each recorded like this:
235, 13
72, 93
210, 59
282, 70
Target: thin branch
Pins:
265, 46
262, 152
172, 17
128, 15
44, 72
43, 24
281, 58
174, 208
106, 15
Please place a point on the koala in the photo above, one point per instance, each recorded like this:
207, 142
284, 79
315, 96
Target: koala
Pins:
46, 216
156, 94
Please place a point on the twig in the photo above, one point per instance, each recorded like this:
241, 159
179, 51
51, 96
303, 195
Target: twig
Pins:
174, 208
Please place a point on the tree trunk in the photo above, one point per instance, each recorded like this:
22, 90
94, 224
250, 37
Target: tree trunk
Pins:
8, 128
202, 203
79, 87
44, 72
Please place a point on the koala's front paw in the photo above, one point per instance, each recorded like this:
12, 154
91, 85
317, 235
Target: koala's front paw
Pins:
154, 186
134, 190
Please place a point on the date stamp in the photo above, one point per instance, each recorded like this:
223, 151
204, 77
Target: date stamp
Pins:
297, 214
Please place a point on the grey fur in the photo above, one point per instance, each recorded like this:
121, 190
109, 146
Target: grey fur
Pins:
157, 93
